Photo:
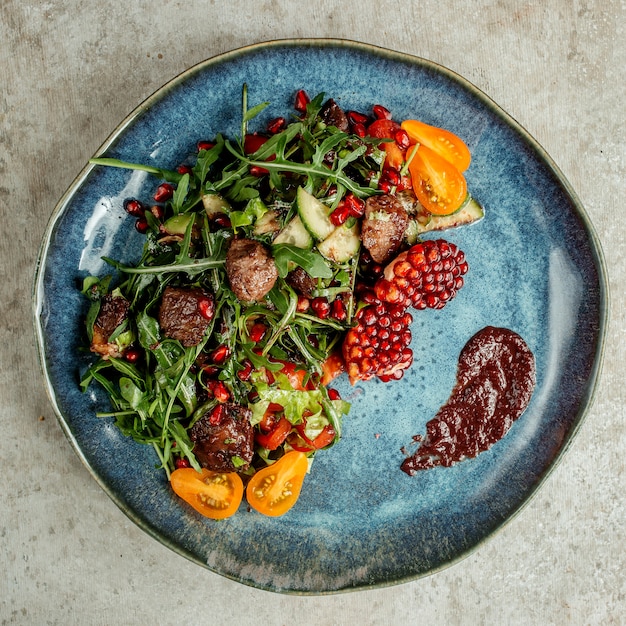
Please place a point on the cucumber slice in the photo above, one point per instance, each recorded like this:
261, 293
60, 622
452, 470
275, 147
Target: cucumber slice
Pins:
314, 215
214, 203
342, 244
295, 234
470, 212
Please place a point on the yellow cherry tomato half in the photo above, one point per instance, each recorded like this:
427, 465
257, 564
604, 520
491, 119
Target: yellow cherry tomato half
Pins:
275, 489
213, 494
446, 144
439, 186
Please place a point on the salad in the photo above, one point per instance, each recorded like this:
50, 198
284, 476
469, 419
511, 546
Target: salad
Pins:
274, 262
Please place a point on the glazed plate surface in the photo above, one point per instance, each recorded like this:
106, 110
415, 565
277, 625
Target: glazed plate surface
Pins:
535, 268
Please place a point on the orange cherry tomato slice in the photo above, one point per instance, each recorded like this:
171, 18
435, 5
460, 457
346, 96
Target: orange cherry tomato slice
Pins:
441, 141
213, 494
439, 186
275, 489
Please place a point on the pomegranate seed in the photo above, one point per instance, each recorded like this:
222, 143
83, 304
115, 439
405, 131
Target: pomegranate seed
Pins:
354, 117
184, 169
252, 142
205, 145
338, 310
158, 211
134, 207
164, 192
206, 306
132, 355
333, 394
359, 130
276, 125
392, 175
340, 214
181, 463
303, 304
219, 390
258, 171
142, 225
301, 100
216, 415
380, 112
402, 139
220, 354
257, 332
385, 186
245, 373
321, 307
221, 221
356, 206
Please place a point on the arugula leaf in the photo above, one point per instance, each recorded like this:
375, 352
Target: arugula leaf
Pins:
286, 256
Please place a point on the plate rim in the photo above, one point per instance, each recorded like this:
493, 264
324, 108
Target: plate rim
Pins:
160, 93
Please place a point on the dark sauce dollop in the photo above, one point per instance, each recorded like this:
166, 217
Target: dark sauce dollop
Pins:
495, 381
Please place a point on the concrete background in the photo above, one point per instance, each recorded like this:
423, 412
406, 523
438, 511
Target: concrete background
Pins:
69, 72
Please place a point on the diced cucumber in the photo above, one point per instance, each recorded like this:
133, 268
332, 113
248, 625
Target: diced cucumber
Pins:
295, 234
342, 244
214, 203
314, 215
469, 212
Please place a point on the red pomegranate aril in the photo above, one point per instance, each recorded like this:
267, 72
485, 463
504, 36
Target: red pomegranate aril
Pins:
132, 354
220, 354
164, 192
252, 142
245, 373
206, 307
276, 125
184, 169
321, 307
402, 139
216, 415
301, 100
158, 211
340, 215
381, 112
338, 310
385, 186
181, 462
257, 332
210, 370
219, 390
359, 130
205, 145
392, 176
354, 117
258, 171
333, 394
221, 221
356, 206
141, 225
134, 207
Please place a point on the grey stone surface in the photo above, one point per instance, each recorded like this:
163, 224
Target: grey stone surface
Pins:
69, 72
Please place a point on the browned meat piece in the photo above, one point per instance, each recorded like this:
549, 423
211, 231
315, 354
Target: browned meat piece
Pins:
301, 281
332, 115
185, 314
383, 226
113, 311
221, 434
250, 269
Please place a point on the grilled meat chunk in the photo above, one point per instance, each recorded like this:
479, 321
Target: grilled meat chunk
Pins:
332, 115
113, 311
250, 269
383, 227
221, 434
185, 314
302, 282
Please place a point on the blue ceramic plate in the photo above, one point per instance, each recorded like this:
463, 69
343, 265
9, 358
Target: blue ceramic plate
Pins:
535, 267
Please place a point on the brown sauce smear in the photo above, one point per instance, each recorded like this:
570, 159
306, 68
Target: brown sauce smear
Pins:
495, 381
